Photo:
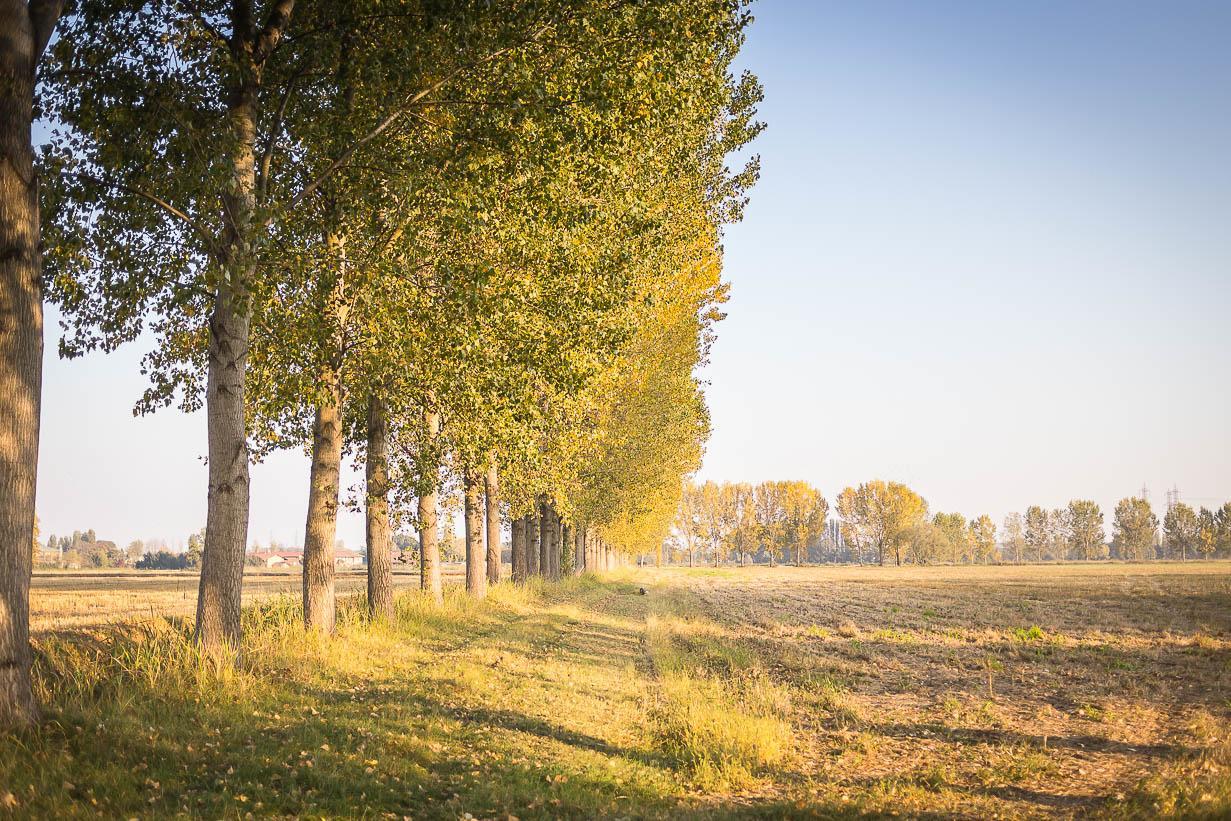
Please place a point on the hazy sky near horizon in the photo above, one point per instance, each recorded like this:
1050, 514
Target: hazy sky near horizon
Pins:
989, 255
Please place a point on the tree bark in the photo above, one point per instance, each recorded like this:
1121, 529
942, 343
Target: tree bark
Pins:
322, 522
476, 561
545, 533
218, 628
429, 544
226, 517
517, 548
26, 30
380, 540
557, 547
533, 567
579, 551
492, 488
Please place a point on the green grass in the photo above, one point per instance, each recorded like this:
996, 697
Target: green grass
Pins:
483, 708
714, 712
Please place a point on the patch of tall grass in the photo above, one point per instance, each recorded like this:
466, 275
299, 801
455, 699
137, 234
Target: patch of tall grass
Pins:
724, 723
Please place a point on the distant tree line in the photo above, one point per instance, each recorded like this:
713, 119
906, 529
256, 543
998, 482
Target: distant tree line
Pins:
85, 550
888, 522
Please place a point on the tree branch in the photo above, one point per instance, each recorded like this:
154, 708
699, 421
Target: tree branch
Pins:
275, 132
269, 36
392, 117
211, 243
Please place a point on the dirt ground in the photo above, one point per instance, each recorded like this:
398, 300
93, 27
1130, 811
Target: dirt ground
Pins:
984, 690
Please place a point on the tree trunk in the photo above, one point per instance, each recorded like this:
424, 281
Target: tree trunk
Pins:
545, 533
429, 544
492, 487
25, 34
557, 546
579, 551
380, 542
322, 523
219, 599
533, 567
566, 549
321, 531
218, 628
517, 548
476, 561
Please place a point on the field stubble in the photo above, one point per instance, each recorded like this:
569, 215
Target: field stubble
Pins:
763, 692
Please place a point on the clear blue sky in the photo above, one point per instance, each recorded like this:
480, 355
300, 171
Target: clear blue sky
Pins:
989, 255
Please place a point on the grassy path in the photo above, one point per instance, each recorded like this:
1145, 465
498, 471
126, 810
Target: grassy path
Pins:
532, 704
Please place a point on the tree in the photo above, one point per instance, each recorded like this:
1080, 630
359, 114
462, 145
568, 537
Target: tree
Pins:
1207, 533
27, 29
804, 511
167, 89
711, 504
1135, 528
1180, 528
1084, 521
1038, 532
743, 534
136, 549
1222, 528
926, 542
770, 516
983, 539
491, 491
196, 549
476, 553
956, 540
1013, 537
1058, 534
881, 515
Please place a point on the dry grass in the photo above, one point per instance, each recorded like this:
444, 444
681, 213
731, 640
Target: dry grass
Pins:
1062, 691
789, 692
70, 599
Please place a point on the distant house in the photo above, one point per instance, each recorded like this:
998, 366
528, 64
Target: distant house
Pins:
294, 558
280, 558
348, 558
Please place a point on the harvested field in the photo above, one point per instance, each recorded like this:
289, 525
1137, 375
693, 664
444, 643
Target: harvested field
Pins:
66, 599
1062, 691
982, 690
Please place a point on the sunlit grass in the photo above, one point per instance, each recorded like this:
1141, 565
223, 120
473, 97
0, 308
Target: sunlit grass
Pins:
656, 694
